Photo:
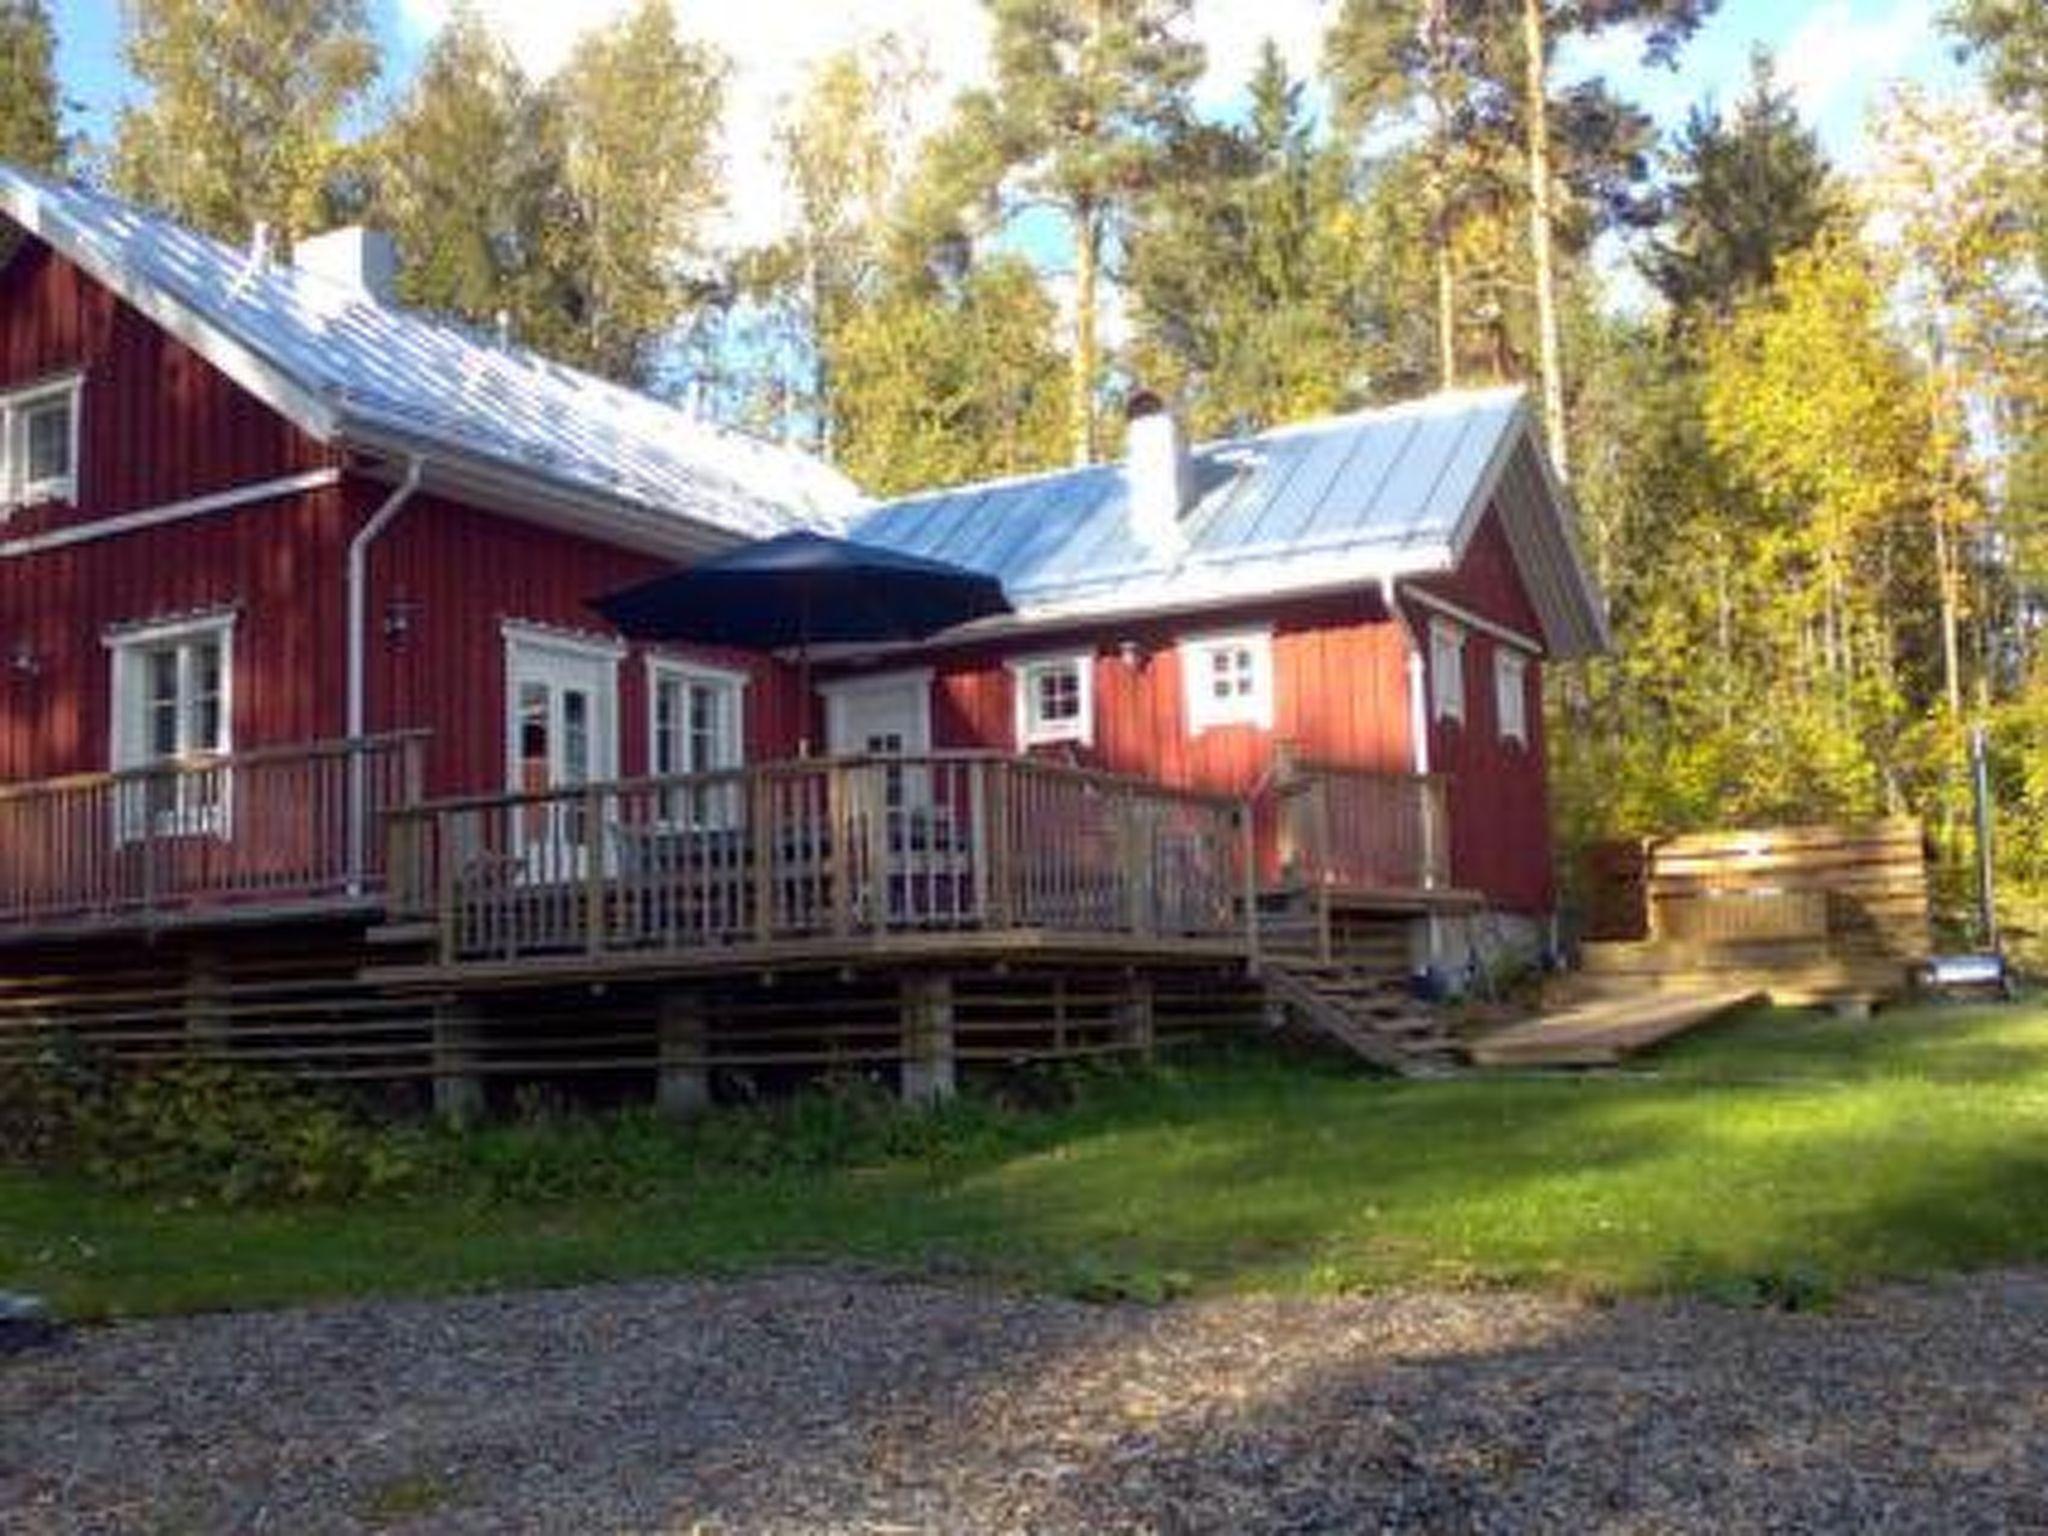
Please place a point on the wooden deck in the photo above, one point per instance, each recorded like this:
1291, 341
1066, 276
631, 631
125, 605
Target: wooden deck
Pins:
1604, 1032
268, 835
826, 858
1811, 915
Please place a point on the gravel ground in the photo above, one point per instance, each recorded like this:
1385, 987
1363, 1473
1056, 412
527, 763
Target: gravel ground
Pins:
815, 1402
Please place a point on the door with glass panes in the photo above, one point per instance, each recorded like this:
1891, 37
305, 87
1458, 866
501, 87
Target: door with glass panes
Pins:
563, 734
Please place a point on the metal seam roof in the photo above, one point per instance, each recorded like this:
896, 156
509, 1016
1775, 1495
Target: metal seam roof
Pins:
1379, 489
333, 359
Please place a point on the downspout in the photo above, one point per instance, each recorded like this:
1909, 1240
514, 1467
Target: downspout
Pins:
1418, 676
358, 662
1418, 730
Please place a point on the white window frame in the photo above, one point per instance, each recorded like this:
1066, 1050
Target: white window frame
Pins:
128, 726
665, 670
15, 406
1205, 710
1511, 694
530, 646
1033, 731
1446, 671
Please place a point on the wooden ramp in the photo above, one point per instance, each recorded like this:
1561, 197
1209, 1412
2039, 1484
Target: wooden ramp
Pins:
1601, 1033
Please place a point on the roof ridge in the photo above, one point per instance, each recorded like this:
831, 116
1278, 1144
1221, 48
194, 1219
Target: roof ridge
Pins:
1414, 405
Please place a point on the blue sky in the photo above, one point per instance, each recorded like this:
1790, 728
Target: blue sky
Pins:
1835, 54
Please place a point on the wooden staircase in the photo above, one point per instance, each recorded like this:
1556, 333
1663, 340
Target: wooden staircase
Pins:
1373, 1016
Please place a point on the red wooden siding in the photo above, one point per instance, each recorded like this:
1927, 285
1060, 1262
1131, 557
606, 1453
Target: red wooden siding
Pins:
458, 575
1340, 695
1499, 790
159, 423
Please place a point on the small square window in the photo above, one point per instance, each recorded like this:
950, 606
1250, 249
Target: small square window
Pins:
1055, 700
38, 444
1230, 680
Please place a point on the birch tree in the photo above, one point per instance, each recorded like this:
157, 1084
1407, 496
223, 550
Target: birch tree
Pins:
244, 102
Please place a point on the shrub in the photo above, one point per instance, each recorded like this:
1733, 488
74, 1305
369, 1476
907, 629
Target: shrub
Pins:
208, 1132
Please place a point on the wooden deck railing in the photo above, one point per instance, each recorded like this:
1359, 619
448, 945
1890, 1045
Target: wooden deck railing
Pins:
284, 825
1359, 830
820, 848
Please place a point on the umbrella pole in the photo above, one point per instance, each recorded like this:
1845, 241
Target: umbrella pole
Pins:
803, 700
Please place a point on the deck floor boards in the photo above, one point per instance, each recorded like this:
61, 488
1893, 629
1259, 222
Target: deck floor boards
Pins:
1602, 1033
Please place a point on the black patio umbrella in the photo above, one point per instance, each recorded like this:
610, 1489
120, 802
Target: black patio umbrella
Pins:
804, 589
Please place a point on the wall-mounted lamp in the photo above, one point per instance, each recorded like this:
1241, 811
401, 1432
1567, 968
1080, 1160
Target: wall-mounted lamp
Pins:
1132, 653
23, 662
399, 616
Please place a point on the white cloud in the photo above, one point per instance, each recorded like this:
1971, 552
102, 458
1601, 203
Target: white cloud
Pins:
774, 44
1841, 51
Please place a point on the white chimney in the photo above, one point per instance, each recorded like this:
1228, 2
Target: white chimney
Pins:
365, 260
1158, 474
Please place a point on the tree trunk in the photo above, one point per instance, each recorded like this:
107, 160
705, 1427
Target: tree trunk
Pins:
1540, 234
1087, 264
1440, 203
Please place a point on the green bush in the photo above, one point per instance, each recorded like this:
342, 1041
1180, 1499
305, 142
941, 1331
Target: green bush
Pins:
218, 1134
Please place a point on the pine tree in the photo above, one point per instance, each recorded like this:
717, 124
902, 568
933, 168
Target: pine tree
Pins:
1089, 95
1745, 191
1248, 272
31, 110
1391, 62
1665, 25
245, 102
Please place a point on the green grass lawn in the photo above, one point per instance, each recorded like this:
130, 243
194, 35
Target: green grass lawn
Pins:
1780, 1144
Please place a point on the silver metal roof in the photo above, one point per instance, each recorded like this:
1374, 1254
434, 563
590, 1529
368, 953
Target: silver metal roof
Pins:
1391, 492
344, 366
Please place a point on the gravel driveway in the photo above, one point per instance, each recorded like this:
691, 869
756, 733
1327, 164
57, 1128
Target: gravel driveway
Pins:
826, 1402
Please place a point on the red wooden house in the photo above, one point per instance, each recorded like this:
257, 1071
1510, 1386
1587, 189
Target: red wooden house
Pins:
302, 698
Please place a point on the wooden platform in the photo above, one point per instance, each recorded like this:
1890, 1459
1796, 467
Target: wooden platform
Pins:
1602, 1033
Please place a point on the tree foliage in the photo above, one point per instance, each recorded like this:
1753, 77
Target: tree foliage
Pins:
1088, 100
244, 104
31, 107
1746, 189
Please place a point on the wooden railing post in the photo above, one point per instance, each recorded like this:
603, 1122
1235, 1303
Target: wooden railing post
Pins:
443, 835
593, 869
761, 832
1248, 852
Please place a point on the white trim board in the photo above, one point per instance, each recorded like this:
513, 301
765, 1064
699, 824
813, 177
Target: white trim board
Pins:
1473, 621
170, 512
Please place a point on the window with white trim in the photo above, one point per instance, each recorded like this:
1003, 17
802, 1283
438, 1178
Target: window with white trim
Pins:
173, 702
1229, 680
1446, 670
1511, 694
1055, 699
696, 725
39, 444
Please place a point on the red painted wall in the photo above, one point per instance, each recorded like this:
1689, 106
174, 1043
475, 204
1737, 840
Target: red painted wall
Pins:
157, 424
1339, 695
458, 575
1499, 790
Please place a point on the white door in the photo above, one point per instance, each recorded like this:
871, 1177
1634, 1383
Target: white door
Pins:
883, 716
562, 732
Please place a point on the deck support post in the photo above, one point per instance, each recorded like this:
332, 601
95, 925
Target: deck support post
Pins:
928, 1061
206, 1003
458, 1091
683, 1090
1137, 1017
